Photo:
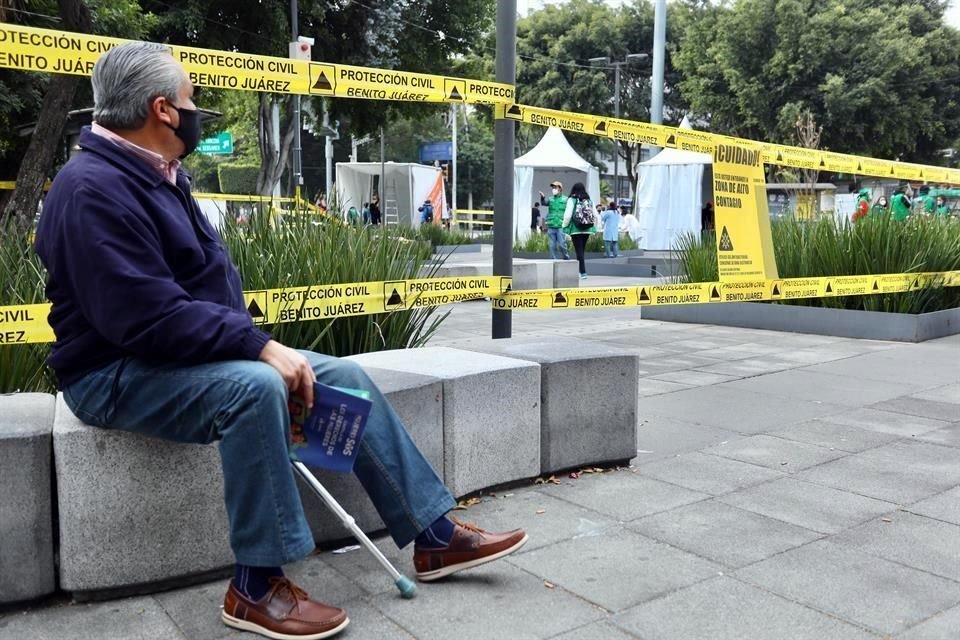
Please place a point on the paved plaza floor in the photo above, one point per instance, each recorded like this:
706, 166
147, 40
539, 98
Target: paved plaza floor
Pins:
786, 487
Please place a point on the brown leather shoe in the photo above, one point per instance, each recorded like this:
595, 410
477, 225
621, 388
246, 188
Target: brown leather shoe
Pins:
285, 613
470, 546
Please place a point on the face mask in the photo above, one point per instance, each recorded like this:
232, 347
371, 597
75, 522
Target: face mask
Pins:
556, 192
188, 131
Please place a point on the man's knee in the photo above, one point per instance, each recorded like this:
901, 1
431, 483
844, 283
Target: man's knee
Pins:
263, 380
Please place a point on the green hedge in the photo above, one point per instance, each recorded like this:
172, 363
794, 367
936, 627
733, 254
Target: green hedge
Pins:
238, 178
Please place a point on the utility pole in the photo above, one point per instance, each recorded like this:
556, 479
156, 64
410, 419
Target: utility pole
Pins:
659, 53
504, 133
453, 163
617, 64
297, 147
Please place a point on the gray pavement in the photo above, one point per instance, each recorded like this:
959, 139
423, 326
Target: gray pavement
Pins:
786, 486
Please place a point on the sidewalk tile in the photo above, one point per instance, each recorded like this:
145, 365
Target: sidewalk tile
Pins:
658, 437
948, 436
808, 505
725, 534
946, 411
775, 453
128, 619
708, 473
948, 393
902, 472
605, 493
824, 432
896, 424
945, 506
922, 543
804, 384
694, 378
488, 603
616, 570
858, 587
596, 631
727, 609
942, 626
650, 387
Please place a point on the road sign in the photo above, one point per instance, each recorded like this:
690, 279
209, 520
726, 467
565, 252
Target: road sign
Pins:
436, 151
222, 144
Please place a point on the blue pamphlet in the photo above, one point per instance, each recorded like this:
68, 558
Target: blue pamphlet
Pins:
329, 436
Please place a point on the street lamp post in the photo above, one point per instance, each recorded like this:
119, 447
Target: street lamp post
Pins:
617, 64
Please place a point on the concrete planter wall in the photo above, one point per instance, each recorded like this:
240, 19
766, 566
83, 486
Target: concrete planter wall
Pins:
842, 323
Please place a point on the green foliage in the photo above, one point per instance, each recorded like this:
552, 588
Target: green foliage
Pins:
872, 246
22, 367
238, 178
538, 243
304, 253
879, 75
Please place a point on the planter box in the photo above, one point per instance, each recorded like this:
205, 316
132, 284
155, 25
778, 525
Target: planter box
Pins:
446, 249
842, 323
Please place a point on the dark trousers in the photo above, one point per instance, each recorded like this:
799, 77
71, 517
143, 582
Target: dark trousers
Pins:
580, 246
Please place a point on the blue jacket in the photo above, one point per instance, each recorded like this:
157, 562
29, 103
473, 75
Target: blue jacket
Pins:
611, 225
135, 269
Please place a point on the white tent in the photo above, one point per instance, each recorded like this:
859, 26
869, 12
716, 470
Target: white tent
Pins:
672, 188
405, 187
552, 159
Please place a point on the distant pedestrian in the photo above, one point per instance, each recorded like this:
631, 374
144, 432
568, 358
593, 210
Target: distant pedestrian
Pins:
445, 215
556, 208
880, 208
941, 207
535, 217
707, 217
366, 213
901, 203
611, 231
426, 212
863, 205
578, 221
353, 216
375, 214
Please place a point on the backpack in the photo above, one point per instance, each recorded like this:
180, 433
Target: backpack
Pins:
583, 215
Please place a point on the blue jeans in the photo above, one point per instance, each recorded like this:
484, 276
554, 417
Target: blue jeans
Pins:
611, 248
558, 240
243, 404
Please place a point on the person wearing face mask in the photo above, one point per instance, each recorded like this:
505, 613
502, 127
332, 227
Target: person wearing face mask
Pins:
556, 206
153, 336
880, 208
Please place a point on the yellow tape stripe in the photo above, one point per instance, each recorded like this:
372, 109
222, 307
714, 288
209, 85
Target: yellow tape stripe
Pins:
703, 142
53, 51
721, 292
25, 324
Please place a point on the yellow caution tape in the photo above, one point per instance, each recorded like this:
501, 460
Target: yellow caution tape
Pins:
24, 324
52, 51
703, 142
721, 292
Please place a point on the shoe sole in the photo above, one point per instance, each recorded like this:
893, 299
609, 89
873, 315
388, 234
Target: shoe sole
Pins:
430, 576
245, 625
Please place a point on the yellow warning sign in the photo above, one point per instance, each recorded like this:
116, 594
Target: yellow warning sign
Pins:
745, 244
25, 324
257, 306
455, 90
323, 79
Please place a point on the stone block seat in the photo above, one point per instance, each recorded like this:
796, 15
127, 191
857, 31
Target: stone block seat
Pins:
588, 398
491, 412
26, 514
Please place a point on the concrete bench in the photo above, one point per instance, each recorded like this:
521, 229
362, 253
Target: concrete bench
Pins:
491, 412
26, 515
527, 274
588, 398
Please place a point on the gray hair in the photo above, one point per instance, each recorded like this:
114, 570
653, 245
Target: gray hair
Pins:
126, 80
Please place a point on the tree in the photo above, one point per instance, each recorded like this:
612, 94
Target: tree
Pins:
879, 75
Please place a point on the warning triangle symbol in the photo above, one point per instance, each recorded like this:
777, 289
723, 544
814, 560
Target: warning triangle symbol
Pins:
725, 243
672, 141
859, 167
509, 288
876, 285
455, 95
601, 127
559, 299
643, 295
394, 299
822, 163
916, 283
829, 288
255, 309
779, 157
514, 110
322, 84
921, 173
714, 293
776, 289
892, 172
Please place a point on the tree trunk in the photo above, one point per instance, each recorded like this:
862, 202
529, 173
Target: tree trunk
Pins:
272, 162
627, 155
37, 162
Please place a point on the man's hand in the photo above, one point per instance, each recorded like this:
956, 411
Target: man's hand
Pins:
541, 195
294, 368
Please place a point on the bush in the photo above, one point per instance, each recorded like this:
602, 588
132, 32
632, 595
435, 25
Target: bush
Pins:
238, 178
538, 243
307, 252
872, 246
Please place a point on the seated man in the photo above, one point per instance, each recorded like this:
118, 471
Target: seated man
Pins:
153, 336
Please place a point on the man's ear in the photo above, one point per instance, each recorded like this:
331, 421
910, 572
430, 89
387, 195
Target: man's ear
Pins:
160, 107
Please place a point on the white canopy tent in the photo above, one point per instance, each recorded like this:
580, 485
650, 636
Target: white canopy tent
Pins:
552, 159
408, 184
672, 188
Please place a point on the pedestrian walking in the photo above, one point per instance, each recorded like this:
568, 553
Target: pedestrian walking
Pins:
610, 219
578, 221
556, 210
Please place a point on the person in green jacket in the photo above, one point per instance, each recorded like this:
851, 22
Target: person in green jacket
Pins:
555, 209
942, 208
880, 208
579, 218
900, 204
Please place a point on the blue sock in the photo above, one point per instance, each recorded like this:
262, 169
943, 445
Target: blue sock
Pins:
437, 534
253, 582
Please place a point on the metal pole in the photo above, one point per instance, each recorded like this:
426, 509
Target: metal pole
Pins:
297, 148
453, 163
616, 145
380, 189
328, 154
659, 52
504, 132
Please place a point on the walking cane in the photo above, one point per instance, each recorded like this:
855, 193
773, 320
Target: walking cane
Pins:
406, 586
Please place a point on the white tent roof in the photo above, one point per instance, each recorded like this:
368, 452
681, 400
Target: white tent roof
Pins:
677, 156
553, 151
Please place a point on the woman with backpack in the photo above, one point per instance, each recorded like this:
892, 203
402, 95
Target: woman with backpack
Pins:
578, 222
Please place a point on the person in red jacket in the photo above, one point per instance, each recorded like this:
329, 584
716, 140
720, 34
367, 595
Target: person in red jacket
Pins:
863, 205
